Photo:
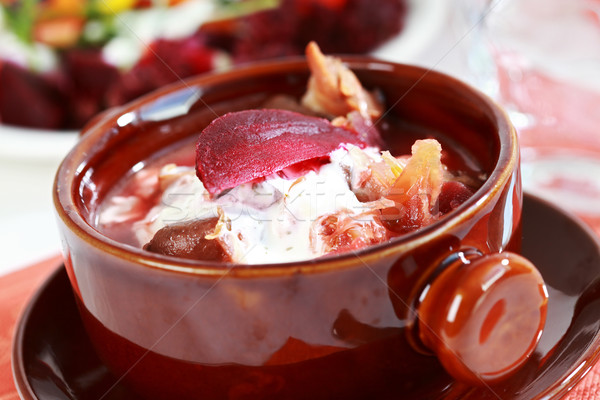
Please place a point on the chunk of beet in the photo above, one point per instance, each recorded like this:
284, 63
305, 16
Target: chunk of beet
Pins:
339, 26
187, 240
242, 146
165, 61
29, 99
453, 194
90, 78
89, 73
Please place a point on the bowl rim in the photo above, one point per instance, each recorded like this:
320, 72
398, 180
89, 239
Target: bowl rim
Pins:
506, 164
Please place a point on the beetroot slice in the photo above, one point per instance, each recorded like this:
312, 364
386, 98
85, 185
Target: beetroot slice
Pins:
242, 146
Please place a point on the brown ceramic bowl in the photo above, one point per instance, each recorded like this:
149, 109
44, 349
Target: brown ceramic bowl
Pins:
347, 326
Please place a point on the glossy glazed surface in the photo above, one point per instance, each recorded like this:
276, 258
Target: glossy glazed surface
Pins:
53, 357
219, 330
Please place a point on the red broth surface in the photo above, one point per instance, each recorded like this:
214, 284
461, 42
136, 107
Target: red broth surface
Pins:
398, 135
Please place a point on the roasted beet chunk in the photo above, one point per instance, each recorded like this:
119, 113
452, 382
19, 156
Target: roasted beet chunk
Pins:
164, 62
453, 194
188, 240
339, 26
28, 99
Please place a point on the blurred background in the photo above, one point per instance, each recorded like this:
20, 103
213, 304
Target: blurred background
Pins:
64, 61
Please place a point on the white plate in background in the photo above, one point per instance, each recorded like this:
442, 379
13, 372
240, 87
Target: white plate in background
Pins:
29, 159
34, 144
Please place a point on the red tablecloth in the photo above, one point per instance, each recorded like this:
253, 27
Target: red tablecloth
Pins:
15, 291
17, 288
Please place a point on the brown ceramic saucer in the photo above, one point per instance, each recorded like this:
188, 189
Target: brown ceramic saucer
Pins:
53, 358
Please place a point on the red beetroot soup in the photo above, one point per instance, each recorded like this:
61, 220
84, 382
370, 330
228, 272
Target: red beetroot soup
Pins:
328, 332
139, 190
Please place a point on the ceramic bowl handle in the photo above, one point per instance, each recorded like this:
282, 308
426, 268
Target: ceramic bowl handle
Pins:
483, 315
